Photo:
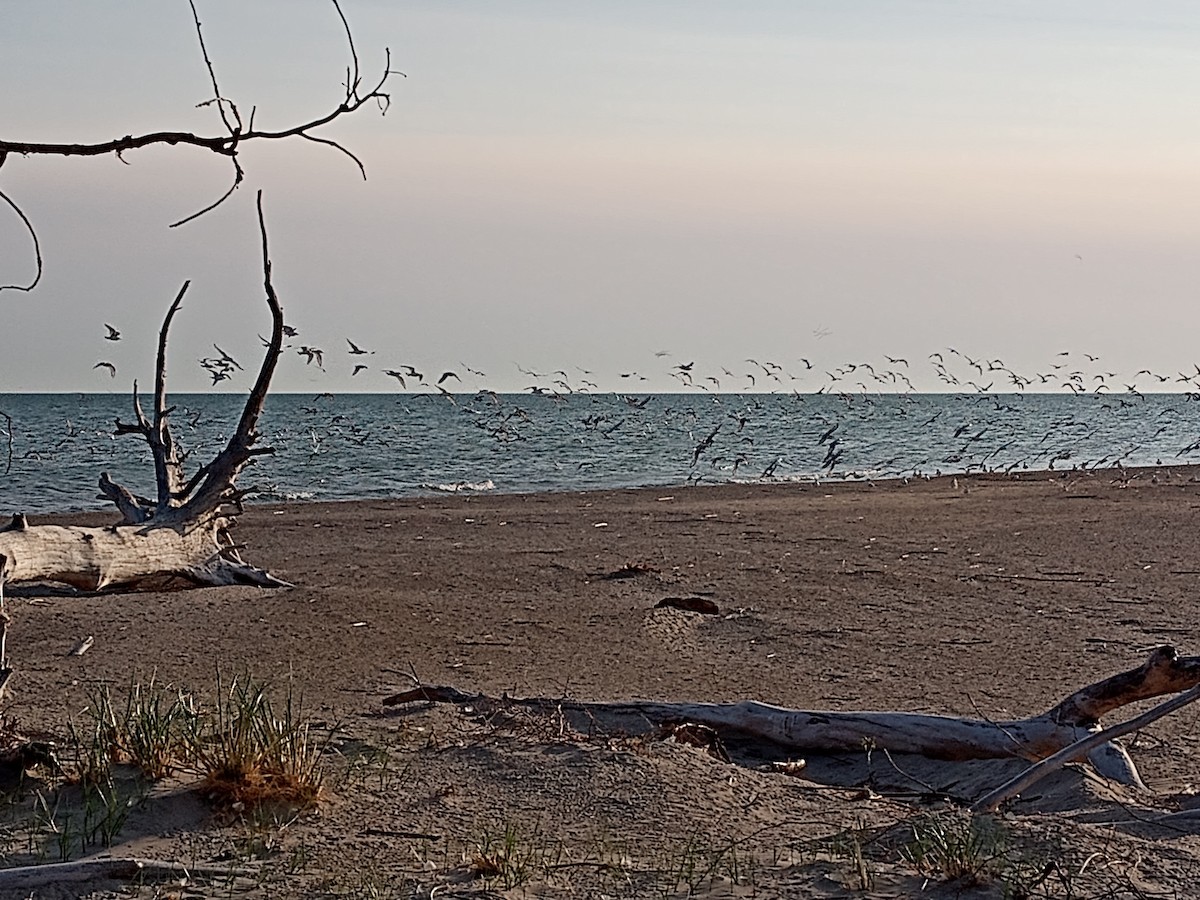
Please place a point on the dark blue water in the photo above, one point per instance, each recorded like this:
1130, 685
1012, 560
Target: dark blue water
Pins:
375, 445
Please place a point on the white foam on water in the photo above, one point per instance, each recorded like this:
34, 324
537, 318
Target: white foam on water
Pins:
459, 487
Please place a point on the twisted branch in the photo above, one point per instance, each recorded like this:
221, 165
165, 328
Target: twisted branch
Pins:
37, 248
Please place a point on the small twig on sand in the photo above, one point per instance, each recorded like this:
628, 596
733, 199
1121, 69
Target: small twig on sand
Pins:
995, 576
30, 878
929, 788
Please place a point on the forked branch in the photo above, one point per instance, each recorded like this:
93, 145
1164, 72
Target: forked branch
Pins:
213, 486
228, 144
217, 487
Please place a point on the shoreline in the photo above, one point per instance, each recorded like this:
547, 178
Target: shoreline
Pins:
1186, 472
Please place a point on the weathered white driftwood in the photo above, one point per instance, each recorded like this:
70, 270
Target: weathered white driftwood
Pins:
934, 736
94, 558
184, 531
118, 868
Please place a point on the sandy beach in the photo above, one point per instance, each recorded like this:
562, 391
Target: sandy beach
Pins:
983, 596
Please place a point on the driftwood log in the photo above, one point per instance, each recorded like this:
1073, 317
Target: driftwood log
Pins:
938, 737
184, 532
29, 879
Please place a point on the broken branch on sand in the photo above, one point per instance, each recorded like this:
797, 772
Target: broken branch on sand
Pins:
1064, 726
123, 868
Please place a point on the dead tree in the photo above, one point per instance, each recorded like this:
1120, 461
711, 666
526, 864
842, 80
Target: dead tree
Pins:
1034, 738
184, 532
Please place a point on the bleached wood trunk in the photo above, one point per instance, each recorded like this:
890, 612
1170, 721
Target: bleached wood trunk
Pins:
934, 736
91, 559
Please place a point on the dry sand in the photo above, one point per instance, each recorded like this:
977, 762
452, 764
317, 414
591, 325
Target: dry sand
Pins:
971, 596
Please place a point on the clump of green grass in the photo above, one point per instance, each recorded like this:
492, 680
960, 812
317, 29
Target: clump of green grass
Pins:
247, 749
251, 752
513, 857
956, 846
151, 728
144, 730
849, 847
90, 820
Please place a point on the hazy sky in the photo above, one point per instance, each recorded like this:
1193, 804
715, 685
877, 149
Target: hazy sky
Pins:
566, 185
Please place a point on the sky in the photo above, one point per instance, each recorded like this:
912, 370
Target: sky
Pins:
579, 186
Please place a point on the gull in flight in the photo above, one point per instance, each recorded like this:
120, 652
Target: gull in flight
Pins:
227, 359
311, 353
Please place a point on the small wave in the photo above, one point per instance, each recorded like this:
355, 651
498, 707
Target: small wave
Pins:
794, 478
283, 496
458, 487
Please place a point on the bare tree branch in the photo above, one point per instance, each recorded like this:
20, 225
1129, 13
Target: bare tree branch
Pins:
168, 470
212, 75
37, 249
228, 144
217, 486
353, 79
992, 801
337, 146
239, 175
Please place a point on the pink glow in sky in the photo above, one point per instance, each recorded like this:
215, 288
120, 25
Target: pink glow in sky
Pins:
581, 185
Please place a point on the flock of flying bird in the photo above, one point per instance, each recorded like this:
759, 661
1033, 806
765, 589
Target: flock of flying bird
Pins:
222, 366
892, 378
835, 425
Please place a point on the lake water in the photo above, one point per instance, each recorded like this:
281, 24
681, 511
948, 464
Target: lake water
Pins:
354, 446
